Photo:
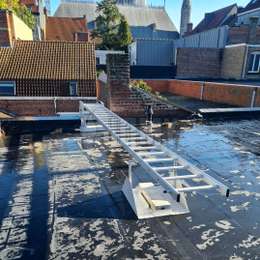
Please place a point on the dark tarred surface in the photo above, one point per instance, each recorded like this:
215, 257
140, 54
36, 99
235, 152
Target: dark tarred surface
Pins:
60, 202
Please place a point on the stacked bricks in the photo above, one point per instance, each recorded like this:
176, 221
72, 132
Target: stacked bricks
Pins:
120, 98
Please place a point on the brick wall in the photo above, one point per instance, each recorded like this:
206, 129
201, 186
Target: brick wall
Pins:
6, 28
51, 88
228, 94
233, 62
159, 85
186, 88
198, 63
238, 95
39, 106
241, 34
122, 99
28, 107
257, 100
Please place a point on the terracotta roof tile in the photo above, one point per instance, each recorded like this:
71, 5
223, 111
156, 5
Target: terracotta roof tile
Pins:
214, 19
48, 60
65, 28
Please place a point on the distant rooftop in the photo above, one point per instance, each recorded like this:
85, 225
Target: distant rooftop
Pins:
66, 28
253, 4
135, 15
217, 18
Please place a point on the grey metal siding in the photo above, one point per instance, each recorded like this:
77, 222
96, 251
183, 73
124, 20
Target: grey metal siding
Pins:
215, 38
141, 32
245, 18
155, 52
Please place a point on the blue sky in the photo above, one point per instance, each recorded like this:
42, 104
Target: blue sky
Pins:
199, 7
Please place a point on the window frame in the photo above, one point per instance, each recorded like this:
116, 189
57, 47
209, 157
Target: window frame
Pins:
253, 64
70, 88
8, 82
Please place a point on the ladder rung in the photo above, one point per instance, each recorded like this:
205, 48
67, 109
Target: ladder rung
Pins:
122, 133
158, 160
119, 128
144, 148
128, 135
167, 168
181, 177
150, 153
195, 188
134, 143
132, 138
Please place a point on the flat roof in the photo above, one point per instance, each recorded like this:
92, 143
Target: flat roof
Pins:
61, 197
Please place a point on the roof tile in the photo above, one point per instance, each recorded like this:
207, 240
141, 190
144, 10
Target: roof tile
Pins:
65, 28
214, 19
48, 60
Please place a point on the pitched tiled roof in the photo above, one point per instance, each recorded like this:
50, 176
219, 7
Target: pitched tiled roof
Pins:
64, 28
48, 60
216, 18
251, 6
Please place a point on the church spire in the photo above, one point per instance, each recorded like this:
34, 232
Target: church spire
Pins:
185, 16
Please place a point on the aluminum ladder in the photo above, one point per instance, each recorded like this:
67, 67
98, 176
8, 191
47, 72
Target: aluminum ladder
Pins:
165, 193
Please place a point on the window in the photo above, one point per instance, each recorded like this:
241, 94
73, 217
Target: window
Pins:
73, 88
7, 88
97, 60
254, 62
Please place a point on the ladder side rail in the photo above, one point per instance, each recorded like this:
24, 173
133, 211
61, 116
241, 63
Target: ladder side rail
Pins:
189, 167
167, 186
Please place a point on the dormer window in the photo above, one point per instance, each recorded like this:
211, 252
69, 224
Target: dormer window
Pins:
254, 62
7, 88
73, 88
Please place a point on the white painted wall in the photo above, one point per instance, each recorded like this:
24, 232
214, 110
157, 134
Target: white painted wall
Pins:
21, 30
102, 55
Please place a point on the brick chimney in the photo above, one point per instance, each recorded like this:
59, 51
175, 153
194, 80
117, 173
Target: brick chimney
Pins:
189, 28
253, 29
7, 34
185, 16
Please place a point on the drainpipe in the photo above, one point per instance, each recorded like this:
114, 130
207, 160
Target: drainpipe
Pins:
253, 98
55, 105
202, 90
245, 63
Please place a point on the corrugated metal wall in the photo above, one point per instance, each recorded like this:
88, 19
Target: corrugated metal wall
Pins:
154, 52
215, 38
245, 18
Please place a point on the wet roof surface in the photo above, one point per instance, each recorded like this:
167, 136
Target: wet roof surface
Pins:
59, 201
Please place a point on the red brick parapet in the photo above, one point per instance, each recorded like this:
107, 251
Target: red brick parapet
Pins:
40, 106
224, 93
